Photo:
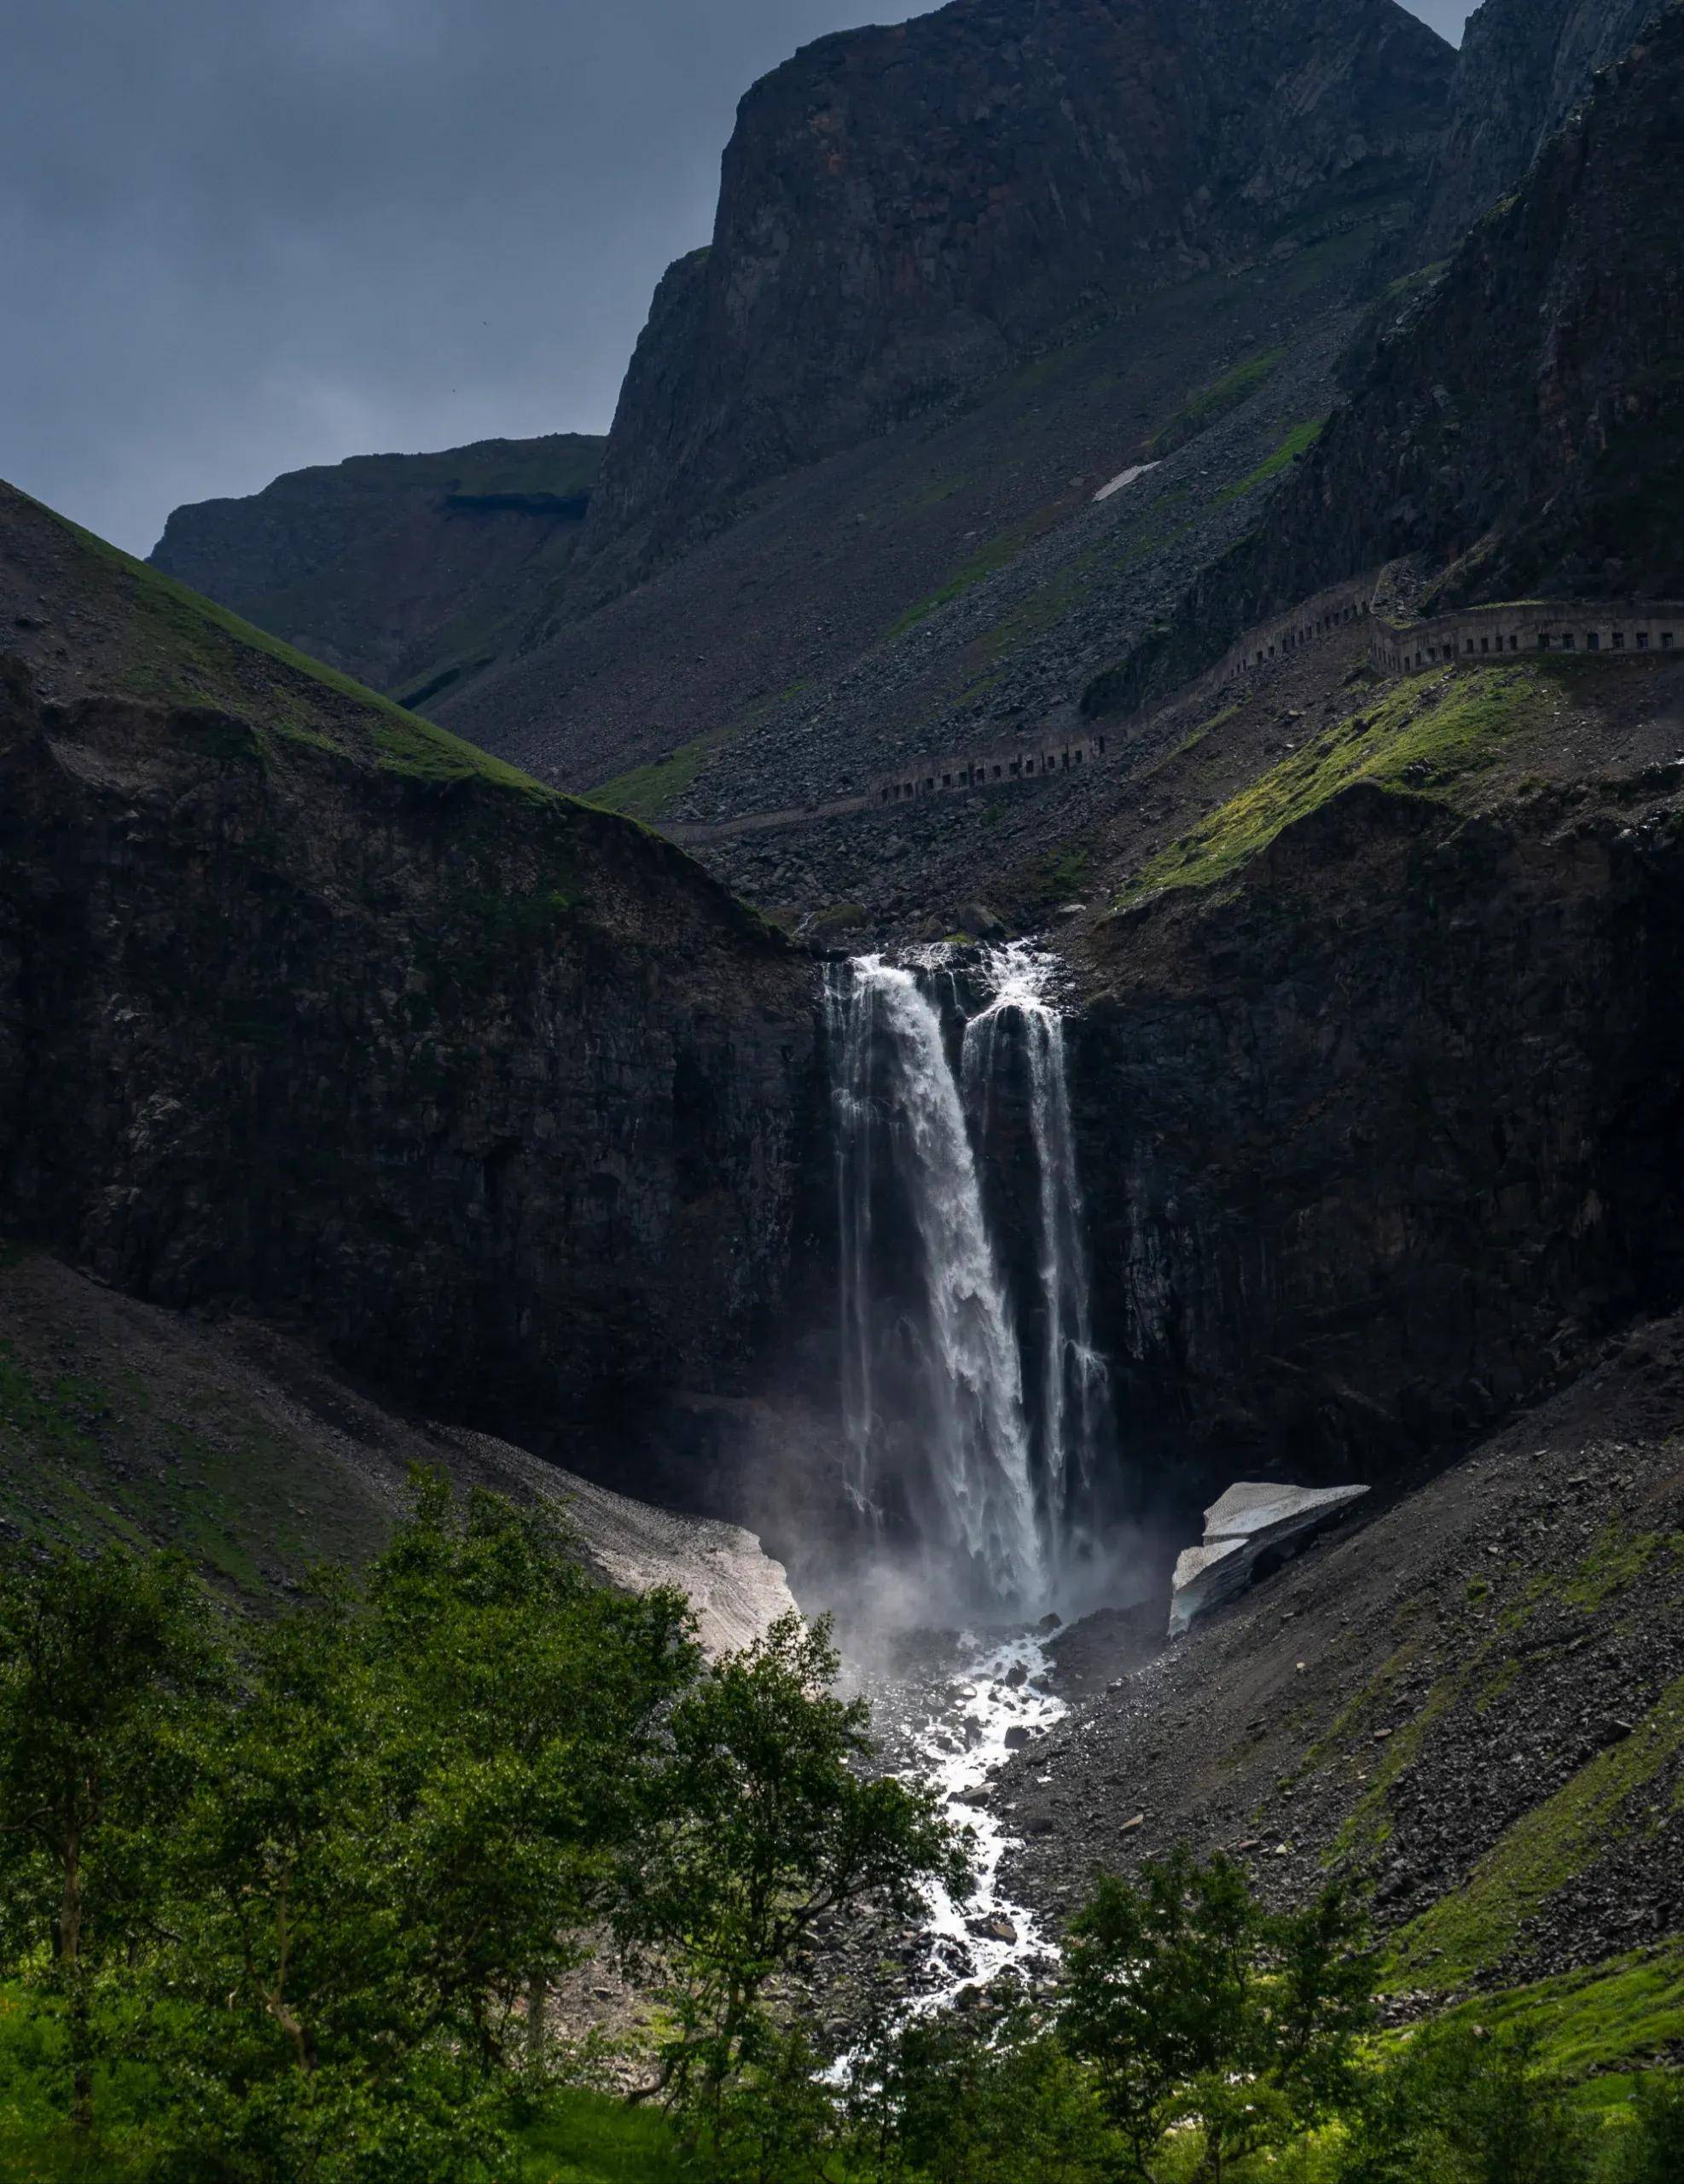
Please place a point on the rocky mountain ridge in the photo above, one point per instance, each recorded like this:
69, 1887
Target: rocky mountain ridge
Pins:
1028, 295
939, 580
906, 212
1524, 67
1512, 421
413, 572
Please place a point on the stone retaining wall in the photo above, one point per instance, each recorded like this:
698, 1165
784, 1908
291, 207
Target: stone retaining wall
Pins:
1620, 629
1329, 611
1027, 758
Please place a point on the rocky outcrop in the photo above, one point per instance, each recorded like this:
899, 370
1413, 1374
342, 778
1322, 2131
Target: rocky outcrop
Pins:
1517, 423
905, 212
306, 1007
1524, 65
413, 572
1379, 1140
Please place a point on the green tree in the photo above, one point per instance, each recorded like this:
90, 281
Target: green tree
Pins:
1460, 2107
1651, 2150
778, 2123
981, 2098
398, 1840
106, 1663
770, 1823
1193, 2006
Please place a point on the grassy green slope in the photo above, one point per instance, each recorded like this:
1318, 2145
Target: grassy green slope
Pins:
146, 635
1426, 735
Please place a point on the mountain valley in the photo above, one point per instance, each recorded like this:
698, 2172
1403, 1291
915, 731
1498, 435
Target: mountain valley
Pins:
1053, 881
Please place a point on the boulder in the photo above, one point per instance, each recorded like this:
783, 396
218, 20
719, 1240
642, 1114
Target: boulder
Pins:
1249, 1521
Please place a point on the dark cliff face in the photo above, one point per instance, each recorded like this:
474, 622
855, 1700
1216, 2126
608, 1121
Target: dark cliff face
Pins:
1524, 65
1380, 1143
1519, 421
306, 1007
414, 572
905, 212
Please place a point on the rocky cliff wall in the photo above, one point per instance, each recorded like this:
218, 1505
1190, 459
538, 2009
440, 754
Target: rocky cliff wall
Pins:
305, 1007
905, 212
1517, 423
1524, 65
1380, 1141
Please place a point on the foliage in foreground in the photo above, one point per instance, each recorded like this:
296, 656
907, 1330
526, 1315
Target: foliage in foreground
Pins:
1196, 2038
291, 1909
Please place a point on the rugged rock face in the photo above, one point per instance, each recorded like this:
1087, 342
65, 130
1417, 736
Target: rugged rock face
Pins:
307, 1007
1477, 1701
905, 212
413, 572
1379, 1140
1519, 422
1524, 65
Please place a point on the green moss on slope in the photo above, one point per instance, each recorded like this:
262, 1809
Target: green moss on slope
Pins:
1427, 732
89, 1454
1213, 401
1470, 1931
649, 793
1622, 2011
1297, 442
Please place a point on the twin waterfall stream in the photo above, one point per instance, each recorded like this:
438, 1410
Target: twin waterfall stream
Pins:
975, 1411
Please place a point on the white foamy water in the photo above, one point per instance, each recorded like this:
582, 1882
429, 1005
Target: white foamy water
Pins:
897, 1101
975, 1408
976, 1420
1075, 1385
959, 1744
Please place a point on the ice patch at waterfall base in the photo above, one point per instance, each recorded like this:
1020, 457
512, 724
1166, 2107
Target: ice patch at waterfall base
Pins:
1250, 1520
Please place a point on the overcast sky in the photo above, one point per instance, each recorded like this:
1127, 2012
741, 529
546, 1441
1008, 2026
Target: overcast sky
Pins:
241, 236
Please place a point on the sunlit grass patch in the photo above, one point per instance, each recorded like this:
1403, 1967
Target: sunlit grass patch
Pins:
1427, 732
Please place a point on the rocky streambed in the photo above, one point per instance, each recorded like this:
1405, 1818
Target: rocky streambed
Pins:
974, 1701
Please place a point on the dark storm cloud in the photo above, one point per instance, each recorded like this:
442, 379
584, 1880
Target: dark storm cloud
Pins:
239, 236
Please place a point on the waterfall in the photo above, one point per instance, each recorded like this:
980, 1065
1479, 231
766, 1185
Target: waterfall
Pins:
1074, 1413
973, 1416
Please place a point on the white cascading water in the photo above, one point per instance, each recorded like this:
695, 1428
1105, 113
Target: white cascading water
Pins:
989, 1461
1003, 1472
1074, 1386
963, 1357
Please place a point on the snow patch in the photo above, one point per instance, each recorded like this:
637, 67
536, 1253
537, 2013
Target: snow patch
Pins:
1124, 478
